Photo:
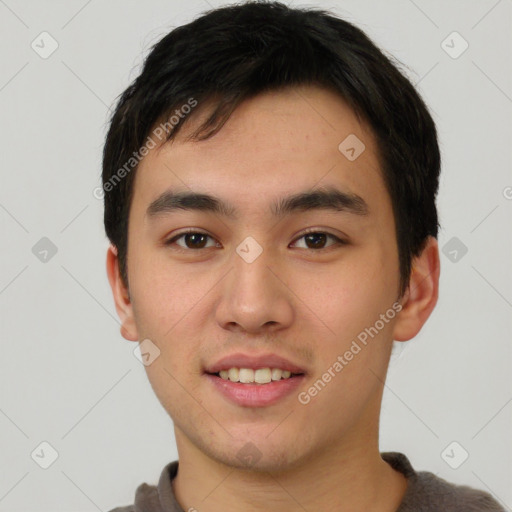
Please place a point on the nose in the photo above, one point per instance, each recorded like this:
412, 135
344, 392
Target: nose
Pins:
254, 296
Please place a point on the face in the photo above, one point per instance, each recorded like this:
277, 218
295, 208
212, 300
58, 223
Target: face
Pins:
254, 283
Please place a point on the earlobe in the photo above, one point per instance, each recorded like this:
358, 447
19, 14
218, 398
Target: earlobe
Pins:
121, 296
421, 296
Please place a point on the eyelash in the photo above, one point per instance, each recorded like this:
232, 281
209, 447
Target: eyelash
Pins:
338, 241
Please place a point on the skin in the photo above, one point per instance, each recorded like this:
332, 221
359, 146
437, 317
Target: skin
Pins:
305, 303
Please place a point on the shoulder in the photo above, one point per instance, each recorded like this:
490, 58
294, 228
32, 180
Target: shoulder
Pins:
434, 490
146, 498
154, 498
428, 492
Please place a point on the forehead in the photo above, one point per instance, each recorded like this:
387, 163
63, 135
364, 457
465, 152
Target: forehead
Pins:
276, 144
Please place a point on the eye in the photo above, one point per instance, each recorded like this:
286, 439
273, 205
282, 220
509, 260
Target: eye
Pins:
317, 239
192, 240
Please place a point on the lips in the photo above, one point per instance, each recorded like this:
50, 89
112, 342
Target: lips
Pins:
254, 362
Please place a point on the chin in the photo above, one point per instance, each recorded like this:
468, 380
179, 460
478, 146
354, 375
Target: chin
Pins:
261, 456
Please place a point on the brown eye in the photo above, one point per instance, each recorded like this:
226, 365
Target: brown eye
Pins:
316, 240
191, 240
195, 240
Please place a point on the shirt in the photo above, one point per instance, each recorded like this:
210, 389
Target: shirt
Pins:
425, 492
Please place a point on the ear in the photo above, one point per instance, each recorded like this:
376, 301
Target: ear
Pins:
421, 295
121, 296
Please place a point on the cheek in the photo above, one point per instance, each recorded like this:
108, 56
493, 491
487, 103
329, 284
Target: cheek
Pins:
348, 295
161, 295
173, 307
350, 300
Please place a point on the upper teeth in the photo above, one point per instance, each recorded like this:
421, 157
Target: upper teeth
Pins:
260, 376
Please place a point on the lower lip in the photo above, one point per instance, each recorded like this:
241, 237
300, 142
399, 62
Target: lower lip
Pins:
256, 395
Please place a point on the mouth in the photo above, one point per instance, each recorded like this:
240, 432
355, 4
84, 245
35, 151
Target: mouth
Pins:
255, 388
259, 376
250, 380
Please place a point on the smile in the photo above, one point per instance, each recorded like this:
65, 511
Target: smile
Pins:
245, 391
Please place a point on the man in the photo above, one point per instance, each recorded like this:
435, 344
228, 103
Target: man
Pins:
270, 182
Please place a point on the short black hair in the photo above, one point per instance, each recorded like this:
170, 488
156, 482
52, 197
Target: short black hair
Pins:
233, 53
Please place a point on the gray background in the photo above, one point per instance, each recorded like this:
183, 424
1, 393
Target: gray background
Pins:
68, 378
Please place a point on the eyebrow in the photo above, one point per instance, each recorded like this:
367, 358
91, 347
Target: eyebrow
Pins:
320, 199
